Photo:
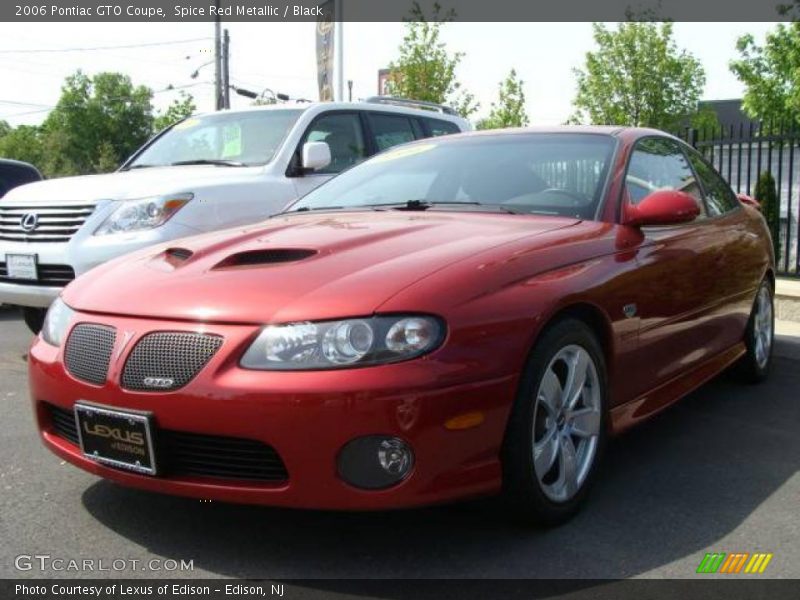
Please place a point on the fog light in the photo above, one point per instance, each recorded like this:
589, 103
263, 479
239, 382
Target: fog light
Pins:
375, 462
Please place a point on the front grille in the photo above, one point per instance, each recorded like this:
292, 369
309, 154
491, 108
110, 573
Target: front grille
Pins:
49, 275
198, 455
172, 358
88, 352
64, 423
53, 223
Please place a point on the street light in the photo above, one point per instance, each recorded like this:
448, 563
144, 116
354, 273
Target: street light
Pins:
196, 72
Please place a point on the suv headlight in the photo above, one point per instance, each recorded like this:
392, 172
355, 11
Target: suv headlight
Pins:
347, 343
146, 213
56, 322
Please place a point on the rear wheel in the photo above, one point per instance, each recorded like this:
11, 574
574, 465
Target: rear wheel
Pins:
34, 318
557, 430
758, 337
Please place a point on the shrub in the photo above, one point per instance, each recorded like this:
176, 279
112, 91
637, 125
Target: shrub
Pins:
766, 193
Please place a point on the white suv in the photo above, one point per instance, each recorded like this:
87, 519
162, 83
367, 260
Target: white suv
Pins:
204, 173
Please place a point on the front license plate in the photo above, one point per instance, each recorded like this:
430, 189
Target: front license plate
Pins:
21, 266
116, 437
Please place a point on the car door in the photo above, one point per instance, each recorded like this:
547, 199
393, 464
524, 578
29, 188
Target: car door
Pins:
741, 259
674, 294
343, 131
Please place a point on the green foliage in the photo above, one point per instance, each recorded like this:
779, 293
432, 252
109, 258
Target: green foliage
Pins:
771, 74
766, 193
425, 70
92, 112
98, 122
509, 111
181, 107
24, 143
638, 77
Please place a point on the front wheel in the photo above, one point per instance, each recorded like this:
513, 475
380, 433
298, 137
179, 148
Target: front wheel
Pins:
34, 318
759, 337
557, 429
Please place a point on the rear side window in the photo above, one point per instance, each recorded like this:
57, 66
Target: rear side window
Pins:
719, 195
391, 130
659, 164
438, 127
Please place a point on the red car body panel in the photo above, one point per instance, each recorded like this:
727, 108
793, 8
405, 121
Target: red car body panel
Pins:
496, 279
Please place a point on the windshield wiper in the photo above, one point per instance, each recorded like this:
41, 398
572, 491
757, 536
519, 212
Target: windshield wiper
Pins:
140, 166
209, 161
420, 205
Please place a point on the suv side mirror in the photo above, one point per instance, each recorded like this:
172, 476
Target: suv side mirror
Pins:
316, 155
663, 207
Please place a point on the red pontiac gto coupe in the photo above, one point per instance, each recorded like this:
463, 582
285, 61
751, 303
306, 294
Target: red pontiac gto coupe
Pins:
455, 317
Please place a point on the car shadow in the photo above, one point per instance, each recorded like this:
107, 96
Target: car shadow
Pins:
667, 490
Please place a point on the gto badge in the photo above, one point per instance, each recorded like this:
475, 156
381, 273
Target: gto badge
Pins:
629, 310
158, 382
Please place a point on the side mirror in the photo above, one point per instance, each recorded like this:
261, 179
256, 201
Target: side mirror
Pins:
663, 207
749, 201
316, 155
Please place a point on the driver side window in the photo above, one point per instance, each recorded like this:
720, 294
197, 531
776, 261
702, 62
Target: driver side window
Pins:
659, 164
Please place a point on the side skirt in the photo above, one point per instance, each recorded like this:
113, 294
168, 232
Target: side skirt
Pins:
656, 400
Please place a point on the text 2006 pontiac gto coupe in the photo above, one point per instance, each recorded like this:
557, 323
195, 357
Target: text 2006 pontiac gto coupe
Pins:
455, 317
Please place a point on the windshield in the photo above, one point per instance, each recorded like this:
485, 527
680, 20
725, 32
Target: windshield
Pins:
232, 139
554, 174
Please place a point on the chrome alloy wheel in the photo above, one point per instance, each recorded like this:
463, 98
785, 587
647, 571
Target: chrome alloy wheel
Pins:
762, 327
566, 423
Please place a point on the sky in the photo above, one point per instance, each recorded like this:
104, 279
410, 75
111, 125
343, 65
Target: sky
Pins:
280, 56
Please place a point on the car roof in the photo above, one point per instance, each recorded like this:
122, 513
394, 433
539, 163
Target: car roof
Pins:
17, 163
626, 133
318, 107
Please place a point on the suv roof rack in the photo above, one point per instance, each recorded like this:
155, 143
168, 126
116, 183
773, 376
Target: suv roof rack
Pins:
424, 105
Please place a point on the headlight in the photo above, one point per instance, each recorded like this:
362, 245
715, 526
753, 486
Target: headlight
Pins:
347, 343
147, 213
56, 322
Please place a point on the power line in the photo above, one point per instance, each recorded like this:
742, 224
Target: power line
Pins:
92, 48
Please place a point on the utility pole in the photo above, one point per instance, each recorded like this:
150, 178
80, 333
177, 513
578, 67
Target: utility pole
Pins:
218, 102
226, 70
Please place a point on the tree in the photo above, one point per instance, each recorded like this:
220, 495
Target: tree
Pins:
509, 111
766, 193
23, 143
771, 74
105, 115
425, 69
638, 77
181, 107
5, 129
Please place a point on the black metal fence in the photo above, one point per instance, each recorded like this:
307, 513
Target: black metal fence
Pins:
741, 154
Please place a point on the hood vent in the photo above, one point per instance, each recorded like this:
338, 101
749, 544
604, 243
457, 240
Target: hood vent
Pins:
269, 256
179, 254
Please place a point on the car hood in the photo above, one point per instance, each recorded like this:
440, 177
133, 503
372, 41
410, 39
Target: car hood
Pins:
295, 267
127, 185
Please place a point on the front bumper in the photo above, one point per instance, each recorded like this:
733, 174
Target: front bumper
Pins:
307, 417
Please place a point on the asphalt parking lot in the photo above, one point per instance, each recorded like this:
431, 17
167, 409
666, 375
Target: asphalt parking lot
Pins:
719, 472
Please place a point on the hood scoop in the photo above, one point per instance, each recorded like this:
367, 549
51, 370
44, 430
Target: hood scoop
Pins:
270, 256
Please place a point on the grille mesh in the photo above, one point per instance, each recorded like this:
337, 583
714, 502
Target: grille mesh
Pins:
198, 455
88, 352
168, 356
52, 275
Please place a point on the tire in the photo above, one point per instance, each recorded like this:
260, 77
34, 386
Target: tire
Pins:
34, 318
759, 337
533, 493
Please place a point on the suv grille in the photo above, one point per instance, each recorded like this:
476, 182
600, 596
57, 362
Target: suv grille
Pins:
88, 352
53, 223
55, 275
193, 454
173, 358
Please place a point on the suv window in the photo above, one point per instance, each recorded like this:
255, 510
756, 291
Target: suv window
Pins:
345, 137
391, 130
659, 164
438, 127
719, 195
